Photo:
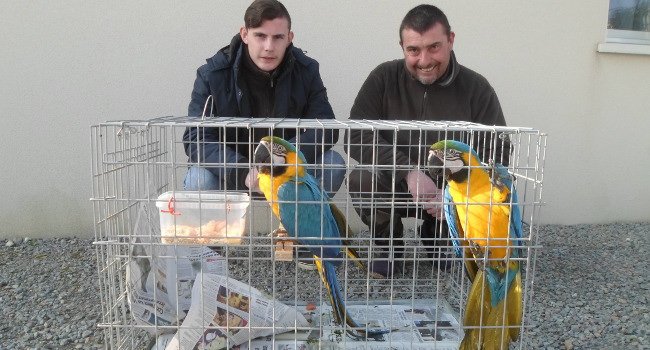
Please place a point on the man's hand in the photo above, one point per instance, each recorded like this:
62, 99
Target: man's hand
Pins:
425, 191
252, 181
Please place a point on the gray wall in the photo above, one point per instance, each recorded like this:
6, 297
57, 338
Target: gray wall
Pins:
66, 65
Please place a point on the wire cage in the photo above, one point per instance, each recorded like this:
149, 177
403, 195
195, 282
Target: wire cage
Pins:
174, 275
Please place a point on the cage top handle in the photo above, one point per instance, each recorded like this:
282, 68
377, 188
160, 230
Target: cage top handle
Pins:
205, 107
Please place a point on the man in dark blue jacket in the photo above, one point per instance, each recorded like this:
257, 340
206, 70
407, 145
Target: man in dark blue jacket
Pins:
260, 74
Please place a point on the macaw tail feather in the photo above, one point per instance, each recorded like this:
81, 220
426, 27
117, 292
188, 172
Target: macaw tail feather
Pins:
477, 306
352, 254
327, 274
492, 327
344, 230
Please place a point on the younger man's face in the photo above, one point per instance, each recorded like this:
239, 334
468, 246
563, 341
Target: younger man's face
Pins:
268, 42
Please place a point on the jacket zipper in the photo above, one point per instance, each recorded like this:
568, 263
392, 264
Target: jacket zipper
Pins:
424, 99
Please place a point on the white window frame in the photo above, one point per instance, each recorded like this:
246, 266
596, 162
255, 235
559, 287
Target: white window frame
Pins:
628, 37
626, 41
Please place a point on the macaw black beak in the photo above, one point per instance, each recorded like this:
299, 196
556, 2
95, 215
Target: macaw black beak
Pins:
262, 154
435, 164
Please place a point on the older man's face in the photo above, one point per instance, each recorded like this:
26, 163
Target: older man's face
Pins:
427, 55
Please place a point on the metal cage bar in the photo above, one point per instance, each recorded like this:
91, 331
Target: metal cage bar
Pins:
134, 162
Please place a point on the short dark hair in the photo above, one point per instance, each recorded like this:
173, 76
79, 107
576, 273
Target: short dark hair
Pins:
265, 10
422, 17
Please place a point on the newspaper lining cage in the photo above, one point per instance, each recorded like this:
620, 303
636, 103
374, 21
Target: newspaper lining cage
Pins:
217, 285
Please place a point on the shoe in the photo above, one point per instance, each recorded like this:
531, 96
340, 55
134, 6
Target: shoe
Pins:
381, 269
382, 266
305, 259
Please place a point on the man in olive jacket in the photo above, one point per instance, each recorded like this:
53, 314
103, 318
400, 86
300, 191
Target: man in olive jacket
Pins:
427, 84
260, 74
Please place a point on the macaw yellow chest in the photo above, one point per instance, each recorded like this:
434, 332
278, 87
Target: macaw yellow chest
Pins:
269, 187
483, 213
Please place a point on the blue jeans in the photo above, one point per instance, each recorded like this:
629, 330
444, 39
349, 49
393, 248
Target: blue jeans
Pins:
331, 176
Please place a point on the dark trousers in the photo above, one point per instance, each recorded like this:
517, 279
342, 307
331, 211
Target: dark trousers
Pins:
382, 207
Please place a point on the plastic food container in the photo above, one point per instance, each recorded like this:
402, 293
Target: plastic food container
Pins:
203, 218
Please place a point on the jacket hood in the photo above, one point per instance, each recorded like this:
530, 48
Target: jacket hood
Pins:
227, 55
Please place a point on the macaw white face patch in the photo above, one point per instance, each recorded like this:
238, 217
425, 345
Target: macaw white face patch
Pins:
278, 154
452, 160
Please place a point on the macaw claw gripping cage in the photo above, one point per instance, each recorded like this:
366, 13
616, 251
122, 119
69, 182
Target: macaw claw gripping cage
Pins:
202, 268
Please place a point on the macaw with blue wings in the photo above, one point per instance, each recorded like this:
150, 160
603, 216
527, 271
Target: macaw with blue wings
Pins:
486, 228
308, 216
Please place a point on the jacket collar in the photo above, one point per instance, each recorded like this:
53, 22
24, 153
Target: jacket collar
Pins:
451, 73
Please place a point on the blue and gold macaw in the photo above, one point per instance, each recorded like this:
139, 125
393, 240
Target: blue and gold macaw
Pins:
307, 215
484, 219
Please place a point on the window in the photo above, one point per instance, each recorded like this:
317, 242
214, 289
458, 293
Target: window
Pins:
628, 27
629, 21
